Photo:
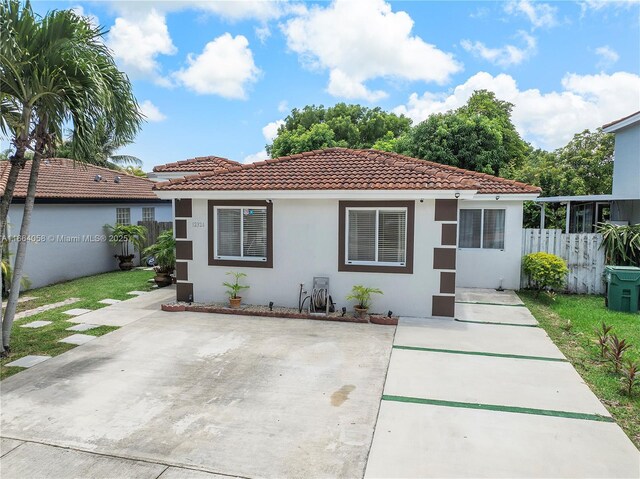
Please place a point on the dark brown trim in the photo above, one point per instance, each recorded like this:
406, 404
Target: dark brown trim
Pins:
444, 258
182, 271
449, 234
183, 208
240, 263
342, 227
184, 292
447, 282
446, 210
443, 306
181, 229
184, 249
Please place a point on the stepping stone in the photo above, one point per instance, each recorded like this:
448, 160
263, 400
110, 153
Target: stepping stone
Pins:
77, 339
110, 301
77, 311
83, 327
28, 361
136, 293
36, 324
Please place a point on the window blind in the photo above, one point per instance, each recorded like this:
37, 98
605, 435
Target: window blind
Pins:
392, 233
493, 229
228, 237
254, 240
470, 224
362, 235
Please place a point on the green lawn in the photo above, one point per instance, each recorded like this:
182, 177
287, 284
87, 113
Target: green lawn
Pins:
90, 290
578, 343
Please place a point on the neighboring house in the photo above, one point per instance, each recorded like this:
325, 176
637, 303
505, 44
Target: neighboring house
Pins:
193, 166
356, 216
73, 203
622, 206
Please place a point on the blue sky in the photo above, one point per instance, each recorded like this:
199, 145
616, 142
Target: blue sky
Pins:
214, 78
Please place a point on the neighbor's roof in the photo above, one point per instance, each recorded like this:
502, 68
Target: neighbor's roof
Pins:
622, 122
201, 163
345, 169
62, 178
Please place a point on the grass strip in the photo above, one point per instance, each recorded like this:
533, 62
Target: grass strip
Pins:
479, 353
499, 408
499, 324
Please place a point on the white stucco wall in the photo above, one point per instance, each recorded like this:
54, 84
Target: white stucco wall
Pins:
626, 167
483, 268
56, 258
305, 244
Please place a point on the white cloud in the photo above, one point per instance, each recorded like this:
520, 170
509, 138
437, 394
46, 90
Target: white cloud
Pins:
241, 10
263, 32
259, 156
283, 106
270, 130
539, 14
359, 41
225, 67
608, 56
598, 5
548, 120
137, 42
151, 112
505, 56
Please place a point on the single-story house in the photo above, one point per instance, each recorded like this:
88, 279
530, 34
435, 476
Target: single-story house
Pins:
622, 206
73, 203
192, 166
413, 228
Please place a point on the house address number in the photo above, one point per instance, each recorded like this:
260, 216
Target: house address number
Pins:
197, 224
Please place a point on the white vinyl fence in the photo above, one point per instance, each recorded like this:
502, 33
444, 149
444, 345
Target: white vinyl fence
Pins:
581, 251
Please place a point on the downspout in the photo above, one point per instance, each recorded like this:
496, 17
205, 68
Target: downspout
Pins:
542, 218
568, 217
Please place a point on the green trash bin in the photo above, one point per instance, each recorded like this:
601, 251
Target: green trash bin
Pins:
623, 288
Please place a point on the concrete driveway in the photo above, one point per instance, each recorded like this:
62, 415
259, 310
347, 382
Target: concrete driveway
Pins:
171, 394
490, 395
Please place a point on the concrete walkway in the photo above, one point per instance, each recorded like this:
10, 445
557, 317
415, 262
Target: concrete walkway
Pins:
490, 395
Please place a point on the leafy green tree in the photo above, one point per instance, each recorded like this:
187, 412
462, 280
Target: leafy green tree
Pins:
348, 126
478, 136
55, 71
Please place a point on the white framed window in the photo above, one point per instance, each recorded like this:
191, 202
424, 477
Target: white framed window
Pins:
376, 236
148, 213
481, 228
123, 216
241, 233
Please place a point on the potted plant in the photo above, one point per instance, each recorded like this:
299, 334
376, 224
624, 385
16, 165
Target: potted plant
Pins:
234, 288
123, 235
362, 296
163, 254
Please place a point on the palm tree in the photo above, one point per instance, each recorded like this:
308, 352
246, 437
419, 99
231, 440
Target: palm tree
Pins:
61, 74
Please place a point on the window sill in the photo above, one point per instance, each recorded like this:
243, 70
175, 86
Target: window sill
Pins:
242, 263
375, 268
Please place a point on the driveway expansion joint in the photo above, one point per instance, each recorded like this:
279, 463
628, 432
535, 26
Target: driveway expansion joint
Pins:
500, 408
499, 324
491, 304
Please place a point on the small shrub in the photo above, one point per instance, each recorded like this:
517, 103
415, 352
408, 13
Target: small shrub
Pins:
234, 288
615, 351
545, 270
603, 338
630, 376
362, 295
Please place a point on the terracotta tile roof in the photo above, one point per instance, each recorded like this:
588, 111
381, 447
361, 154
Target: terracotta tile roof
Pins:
345, 169
61, 178
620, 119
201, 163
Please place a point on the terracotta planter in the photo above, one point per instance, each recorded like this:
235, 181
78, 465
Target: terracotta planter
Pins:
235, 302
163, 279
361, 312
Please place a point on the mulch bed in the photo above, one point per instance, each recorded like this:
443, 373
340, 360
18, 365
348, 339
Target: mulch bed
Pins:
277, 312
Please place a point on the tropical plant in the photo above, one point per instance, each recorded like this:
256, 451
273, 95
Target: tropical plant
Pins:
126, 235
233, 288
163, 251
135, 171
55, 71
630, 376
603, 337
545, 270
362, 295
621, 244
616, 348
